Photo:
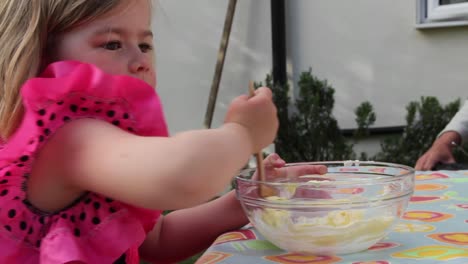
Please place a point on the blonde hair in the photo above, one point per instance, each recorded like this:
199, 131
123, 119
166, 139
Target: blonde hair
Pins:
27, 29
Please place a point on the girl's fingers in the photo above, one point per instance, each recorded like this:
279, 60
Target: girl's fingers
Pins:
279, 163
273, 161
242, 97
275, 167
270, 163
264, 91
300, 170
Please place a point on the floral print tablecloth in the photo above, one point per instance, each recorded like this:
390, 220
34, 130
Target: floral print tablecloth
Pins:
434, 229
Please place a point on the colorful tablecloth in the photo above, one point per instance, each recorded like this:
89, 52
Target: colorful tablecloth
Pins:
434, 229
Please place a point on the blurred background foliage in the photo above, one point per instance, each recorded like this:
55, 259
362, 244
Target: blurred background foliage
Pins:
309, 131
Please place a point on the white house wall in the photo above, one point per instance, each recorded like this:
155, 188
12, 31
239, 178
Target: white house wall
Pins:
371, 50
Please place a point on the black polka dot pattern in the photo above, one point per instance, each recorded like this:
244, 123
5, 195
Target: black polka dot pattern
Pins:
12, 213
73, 108
23, 225
96, 220
110, 113
77, 232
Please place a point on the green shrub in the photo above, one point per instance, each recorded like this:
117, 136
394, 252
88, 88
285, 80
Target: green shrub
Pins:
308, 131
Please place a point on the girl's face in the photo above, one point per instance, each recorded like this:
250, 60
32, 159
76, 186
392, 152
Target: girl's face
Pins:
120, 42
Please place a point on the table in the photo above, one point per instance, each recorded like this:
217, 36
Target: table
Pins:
434, 229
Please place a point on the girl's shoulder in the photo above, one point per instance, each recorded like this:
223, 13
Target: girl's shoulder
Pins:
94, 229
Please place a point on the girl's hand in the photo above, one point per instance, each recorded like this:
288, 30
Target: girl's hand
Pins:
257, 115
275, 168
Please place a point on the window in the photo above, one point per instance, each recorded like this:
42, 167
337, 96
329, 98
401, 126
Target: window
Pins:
438, 13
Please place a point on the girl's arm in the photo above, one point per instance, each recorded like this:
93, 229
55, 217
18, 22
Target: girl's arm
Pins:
153, 172
150, 172
183, 233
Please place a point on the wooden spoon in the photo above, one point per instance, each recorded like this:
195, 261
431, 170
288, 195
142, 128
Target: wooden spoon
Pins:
264, 191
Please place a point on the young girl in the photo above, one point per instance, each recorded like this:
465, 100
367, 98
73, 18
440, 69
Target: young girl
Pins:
86, 165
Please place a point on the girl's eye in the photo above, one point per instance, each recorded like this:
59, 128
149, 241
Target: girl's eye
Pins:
112, 45
145, 47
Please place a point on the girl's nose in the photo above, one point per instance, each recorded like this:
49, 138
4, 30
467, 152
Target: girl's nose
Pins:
139, 63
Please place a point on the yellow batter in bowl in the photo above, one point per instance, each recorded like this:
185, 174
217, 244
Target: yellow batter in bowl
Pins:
323, 232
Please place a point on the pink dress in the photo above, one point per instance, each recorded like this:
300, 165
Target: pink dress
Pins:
94, 229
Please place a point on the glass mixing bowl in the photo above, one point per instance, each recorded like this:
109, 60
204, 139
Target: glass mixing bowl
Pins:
348, 209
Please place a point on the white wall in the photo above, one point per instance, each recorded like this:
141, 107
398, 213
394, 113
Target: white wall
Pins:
371, 50
188, 35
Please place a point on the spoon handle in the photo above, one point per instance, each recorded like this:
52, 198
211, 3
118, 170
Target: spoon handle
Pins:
258, 155
263, 190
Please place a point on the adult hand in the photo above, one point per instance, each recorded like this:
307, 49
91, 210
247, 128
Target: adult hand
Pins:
440, 151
